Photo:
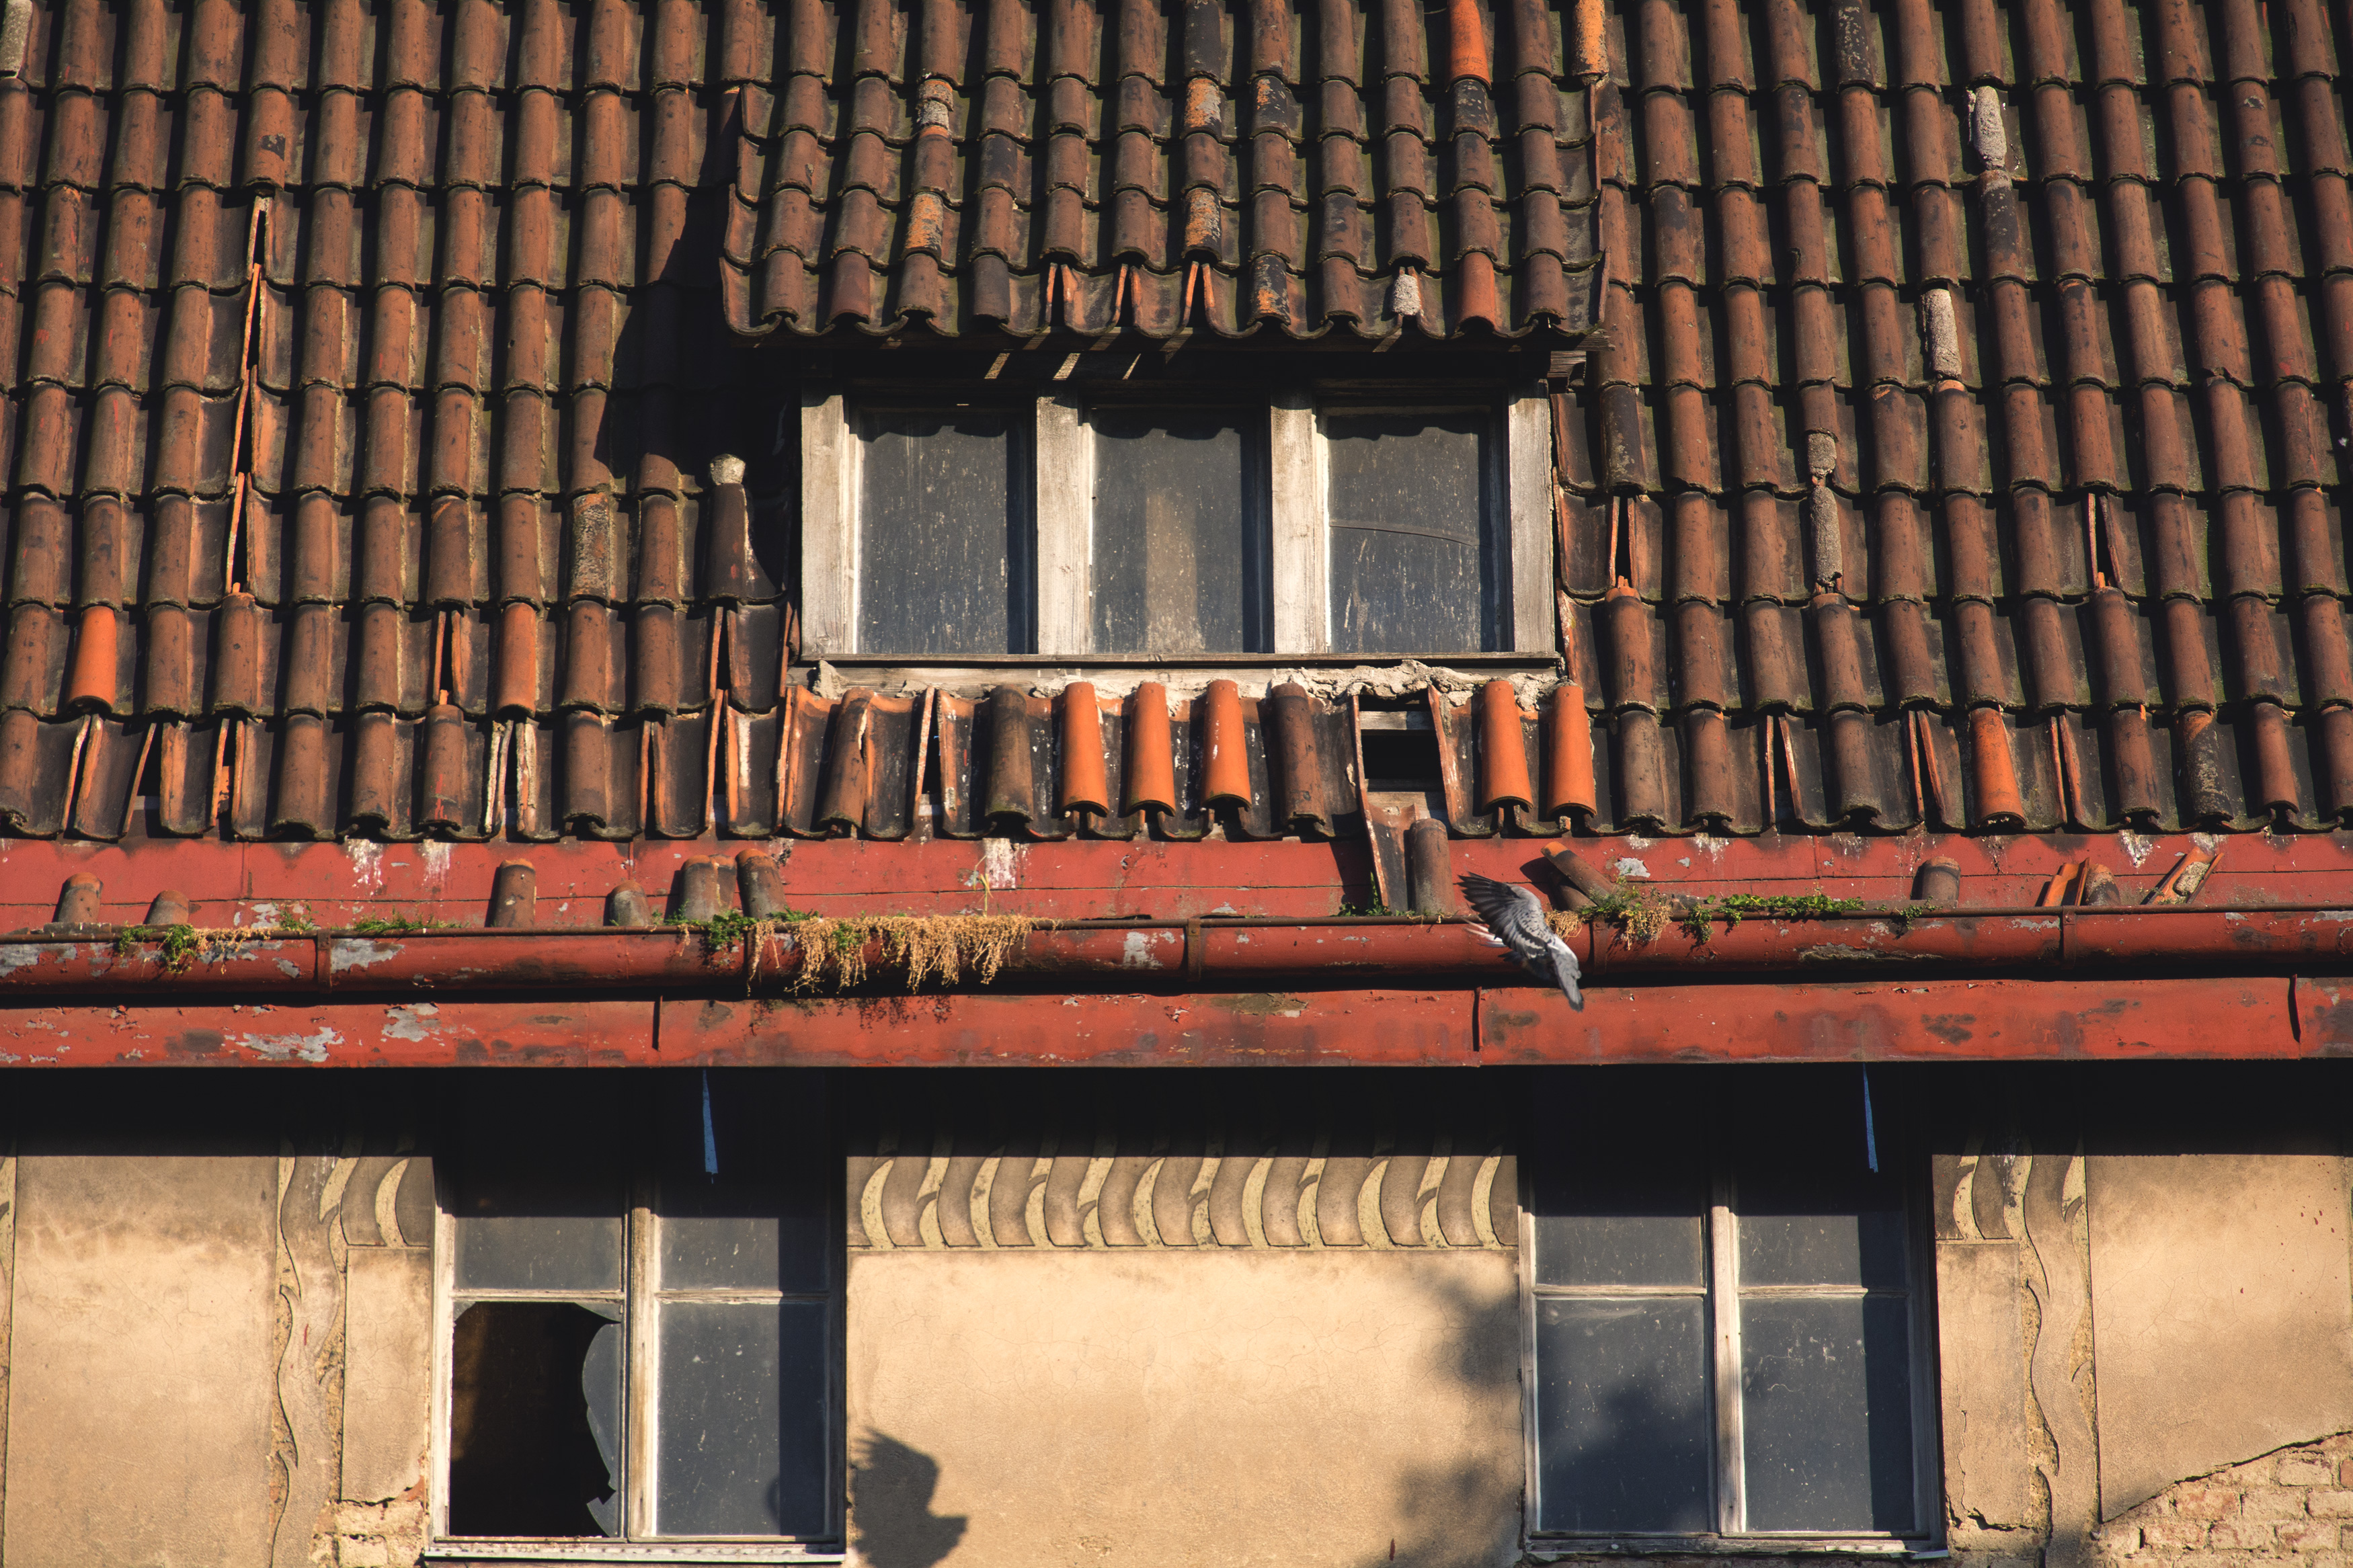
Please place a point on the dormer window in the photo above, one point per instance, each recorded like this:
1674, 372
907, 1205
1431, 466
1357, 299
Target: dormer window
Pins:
1116, 522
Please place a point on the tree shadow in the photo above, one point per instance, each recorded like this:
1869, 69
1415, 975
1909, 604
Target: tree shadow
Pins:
891, 1517
1458, 1511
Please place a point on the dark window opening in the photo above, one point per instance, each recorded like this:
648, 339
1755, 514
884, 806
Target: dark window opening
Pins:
534, 1420
1400, 760
687, 1387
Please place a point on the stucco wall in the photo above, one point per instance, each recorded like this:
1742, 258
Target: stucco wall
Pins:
1311, 1409
220, 1357
141, 1366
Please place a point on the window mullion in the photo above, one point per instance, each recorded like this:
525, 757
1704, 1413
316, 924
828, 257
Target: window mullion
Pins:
1527, 610
828, 524
638, 1420
1724, 1301
1302, 552
1063, 507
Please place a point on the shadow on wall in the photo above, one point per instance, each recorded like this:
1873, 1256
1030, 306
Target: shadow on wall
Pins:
890, 1516
1458, 1510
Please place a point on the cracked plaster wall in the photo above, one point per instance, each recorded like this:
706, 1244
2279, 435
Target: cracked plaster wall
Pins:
2144, 1355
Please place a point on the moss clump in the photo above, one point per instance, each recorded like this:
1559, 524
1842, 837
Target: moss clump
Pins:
184, 946
394, 925
1637, 910
1700, 918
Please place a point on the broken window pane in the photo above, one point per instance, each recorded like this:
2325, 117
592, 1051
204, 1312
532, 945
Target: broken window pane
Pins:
535, 1419
1407, 504
742, 1428
1826, 1386
944, 555
1180, 550
1622, 1418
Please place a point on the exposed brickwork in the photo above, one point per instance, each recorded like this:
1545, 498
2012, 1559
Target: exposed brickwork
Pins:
375, 1535
2294, 1506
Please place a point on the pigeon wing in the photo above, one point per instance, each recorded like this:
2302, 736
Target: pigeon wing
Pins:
1565, 974
1513, 913
1497, 903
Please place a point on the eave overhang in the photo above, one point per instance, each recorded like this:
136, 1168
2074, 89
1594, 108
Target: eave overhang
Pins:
1210, 954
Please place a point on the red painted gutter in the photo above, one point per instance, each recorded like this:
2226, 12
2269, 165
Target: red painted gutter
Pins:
1126, 956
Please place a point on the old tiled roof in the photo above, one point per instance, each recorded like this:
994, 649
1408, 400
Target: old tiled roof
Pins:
1967, 444
367, 361
1165, 167
367, 365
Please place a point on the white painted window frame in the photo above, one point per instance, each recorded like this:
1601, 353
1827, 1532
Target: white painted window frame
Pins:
1722, 1292
641, 1302
1063, 476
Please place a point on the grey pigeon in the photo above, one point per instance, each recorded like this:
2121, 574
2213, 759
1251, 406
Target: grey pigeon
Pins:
1516, 916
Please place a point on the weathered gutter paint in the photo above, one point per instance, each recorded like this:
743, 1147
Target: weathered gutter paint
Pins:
1119, 955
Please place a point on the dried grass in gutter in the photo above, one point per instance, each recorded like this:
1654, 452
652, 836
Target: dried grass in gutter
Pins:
183, 947
923, 947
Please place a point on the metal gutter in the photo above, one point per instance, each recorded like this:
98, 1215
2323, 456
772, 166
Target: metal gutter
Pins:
1150, 955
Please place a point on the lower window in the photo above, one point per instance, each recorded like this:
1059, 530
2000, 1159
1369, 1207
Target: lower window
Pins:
640, 1295
1727, 1312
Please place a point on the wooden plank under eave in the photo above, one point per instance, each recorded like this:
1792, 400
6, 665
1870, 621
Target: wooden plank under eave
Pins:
1916, 1019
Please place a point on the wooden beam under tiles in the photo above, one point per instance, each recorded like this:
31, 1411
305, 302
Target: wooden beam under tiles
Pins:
1952, 1019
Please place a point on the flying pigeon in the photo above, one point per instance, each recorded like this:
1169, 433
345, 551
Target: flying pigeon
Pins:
1516, 917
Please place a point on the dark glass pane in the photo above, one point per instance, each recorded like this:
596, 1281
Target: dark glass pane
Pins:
942, 554
1622, 1418
539, 1191
1827, 1392
1817, 1226
534, 1420
1407, 504
1621, 1185
1622, 1250
748, 1182
538, 1252
742, 1439
1176, 546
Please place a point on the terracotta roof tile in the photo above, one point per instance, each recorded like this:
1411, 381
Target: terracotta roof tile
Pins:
1962, 451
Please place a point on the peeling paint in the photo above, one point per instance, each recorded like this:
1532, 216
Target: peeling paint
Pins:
1135, 952
418, 1022
368, 864
1630, 867
999, 867
346, 953
2134, 846
15, 955
311, 1048
434, 853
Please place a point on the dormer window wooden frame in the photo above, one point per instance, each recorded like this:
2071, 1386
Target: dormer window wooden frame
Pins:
1292, 487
